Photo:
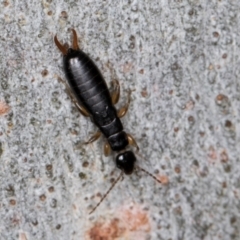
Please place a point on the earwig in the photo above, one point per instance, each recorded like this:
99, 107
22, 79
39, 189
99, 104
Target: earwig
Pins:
93, 99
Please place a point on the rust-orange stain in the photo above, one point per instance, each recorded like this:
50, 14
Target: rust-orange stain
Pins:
129, 222
135, 218
4, 108
163, 179
106, 230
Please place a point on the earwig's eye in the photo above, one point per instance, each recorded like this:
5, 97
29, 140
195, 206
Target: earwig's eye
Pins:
125, 161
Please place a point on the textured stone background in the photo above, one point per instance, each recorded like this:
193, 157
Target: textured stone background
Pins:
182, 59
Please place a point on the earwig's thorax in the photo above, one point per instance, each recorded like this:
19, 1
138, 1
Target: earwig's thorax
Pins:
118, 141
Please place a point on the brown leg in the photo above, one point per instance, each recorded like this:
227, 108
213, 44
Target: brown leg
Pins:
116, 92
81, 109
122, 111
132, 141
94, 137
107, 149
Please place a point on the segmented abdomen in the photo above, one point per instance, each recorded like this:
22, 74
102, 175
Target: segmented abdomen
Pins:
87, 82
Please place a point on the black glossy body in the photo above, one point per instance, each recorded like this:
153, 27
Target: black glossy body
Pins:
91, 91
125, 161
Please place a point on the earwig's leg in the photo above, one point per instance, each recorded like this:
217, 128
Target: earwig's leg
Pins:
116, 92
94, 137
132, 141
122, 111
80, 108
75, 40
107, 149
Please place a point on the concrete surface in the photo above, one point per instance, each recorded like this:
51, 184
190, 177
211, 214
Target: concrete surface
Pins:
182, 59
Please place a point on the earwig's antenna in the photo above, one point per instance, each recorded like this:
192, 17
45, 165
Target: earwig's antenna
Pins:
148, 173
104, 196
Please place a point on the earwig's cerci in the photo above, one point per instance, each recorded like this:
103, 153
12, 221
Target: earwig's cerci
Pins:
93, 99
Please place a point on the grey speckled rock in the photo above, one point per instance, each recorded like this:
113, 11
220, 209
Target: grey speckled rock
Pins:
182, 59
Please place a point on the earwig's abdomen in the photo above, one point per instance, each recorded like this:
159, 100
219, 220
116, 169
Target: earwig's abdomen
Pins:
86, 81
91, 91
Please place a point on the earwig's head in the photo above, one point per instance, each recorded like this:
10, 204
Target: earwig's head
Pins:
125, 161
